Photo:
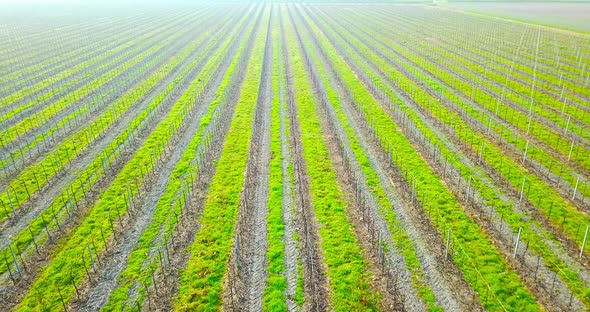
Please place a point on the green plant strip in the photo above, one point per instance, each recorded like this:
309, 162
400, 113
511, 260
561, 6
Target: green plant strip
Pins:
349, 280
550, 86
35, 176
469, 28
35, 46
512, 171
53, 80
88, 108
24, 92
551, 138
556, 166
202, 280
64, 59
276, 283
549, 107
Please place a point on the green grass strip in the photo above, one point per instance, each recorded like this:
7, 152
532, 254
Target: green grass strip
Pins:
527, 73
540, 194
276, 283
492, 198
41, 116
347, 271
202, 281
56, 62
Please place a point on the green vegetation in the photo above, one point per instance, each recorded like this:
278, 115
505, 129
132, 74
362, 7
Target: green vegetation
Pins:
112, 205
132, 140
349, 281
202, 281
171, 204
276, 283
399, 236
448, 213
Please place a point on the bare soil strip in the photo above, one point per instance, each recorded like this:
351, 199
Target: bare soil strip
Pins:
289, 203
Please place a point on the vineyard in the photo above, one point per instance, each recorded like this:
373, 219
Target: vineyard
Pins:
293, 157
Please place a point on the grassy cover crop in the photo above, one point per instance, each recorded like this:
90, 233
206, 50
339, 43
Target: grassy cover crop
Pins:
292, 157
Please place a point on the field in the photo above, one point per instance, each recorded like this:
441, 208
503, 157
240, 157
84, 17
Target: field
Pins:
565, 14
286, 157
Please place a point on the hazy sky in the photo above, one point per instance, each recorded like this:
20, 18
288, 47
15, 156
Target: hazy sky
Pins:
74, 2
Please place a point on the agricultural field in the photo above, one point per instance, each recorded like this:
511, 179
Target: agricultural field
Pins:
292, 157
568, 14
